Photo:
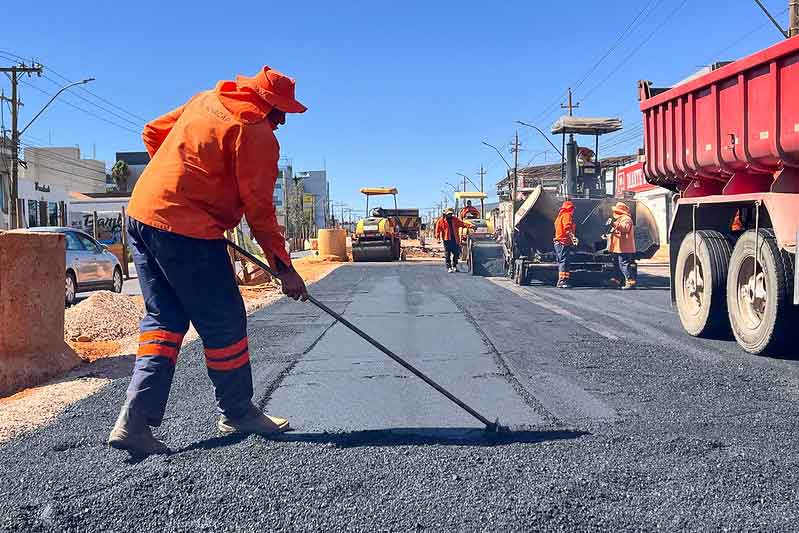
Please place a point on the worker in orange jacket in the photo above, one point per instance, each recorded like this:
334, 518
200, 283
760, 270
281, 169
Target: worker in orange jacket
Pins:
564, 242
621, 244
469, 211
214, 159
447, 230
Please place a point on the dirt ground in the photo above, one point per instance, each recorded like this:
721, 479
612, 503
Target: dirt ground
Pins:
106, 360
414, 251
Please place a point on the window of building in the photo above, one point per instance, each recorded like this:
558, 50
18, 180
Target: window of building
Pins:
52, 213
33, 213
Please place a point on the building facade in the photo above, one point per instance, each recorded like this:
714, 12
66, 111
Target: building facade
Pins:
137, 162
314, 183
63, 167
46, 178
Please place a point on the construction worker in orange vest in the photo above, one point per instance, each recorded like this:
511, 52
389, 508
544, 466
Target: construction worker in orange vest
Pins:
564, 242
621, 244
447, 230
214, 159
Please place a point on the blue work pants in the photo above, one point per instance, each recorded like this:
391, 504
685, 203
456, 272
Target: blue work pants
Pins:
187, 280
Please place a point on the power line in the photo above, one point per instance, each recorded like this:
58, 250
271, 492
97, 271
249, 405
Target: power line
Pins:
636, 49
139, 119
95, 115
67, 172
624, 34
57, 84
63, 159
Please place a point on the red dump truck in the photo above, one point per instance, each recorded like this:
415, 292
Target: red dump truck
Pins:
728, 143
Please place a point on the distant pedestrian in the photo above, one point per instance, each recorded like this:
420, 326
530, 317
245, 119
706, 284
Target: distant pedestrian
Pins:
447, 230
621, 244
213, 159
564, 242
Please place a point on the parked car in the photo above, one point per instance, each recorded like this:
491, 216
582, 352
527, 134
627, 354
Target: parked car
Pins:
90, 266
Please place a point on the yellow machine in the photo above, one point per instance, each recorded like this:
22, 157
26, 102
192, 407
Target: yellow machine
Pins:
482, 223
483, 255
377, 236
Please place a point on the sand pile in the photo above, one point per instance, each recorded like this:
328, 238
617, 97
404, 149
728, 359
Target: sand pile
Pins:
103, 316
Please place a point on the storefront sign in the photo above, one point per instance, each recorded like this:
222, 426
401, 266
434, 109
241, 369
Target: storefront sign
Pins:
109, 225
631, 179
41, 188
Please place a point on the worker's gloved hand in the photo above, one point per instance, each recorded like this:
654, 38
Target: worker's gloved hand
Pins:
293, 285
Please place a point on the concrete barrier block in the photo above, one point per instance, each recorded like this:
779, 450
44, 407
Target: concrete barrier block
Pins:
32, 347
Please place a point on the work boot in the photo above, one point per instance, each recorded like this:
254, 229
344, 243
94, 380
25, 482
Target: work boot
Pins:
629, 286
614, 283
254, 422
132, 434
563, 284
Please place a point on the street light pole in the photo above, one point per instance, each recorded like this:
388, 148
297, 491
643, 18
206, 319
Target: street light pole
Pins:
15, 135
61, 90
498, 152
465, 177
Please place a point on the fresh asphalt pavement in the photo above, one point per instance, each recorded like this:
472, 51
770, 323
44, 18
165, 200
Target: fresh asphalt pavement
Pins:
619, 422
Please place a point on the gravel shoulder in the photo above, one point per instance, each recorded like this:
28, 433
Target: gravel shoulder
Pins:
109, 324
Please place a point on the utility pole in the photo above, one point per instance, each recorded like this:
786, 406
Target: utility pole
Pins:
482, 200
793, 9
570, 106
513, 193
14, 73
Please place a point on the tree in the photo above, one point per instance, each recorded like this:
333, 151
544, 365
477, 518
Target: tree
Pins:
120, 172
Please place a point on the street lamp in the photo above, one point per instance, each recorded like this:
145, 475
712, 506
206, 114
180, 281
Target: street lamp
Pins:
465, 177
536, 128
500, 154
454, 188
61, 90
15, 135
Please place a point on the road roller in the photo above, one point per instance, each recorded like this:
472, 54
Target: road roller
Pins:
377, 237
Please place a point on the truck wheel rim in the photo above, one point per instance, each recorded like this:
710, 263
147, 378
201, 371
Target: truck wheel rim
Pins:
70, 289
752, 294
693, 286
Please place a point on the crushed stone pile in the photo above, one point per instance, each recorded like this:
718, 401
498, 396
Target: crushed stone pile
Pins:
103, 316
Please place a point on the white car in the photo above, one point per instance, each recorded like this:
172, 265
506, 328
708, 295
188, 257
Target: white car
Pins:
90, 266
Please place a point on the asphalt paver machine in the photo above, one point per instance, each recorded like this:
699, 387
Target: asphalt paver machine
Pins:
377, 237
531, 256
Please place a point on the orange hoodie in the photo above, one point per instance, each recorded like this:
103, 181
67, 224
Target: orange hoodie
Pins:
214, 159
622, 234
442, 227
564, 224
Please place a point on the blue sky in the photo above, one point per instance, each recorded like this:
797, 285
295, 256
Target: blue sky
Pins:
399, 93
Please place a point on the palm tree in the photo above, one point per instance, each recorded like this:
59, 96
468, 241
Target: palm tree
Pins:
120, 172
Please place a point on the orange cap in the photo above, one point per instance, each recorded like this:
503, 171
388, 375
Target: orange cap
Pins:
275, 88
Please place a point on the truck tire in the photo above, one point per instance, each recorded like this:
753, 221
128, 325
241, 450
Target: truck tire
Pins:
760, 306
701, 296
